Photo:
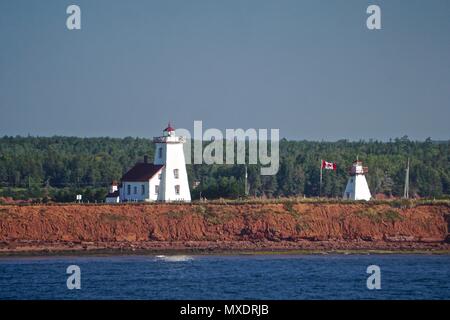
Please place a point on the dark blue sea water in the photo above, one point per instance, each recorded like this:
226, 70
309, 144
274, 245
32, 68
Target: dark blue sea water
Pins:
227, 277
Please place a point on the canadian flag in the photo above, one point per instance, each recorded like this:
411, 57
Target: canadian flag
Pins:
328, 165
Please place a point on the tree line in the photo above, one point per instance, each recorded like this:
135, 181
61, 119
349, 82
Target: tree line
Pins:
57, 168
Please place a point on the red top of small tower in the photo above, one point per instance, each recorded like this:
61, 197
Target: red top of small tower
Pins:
169, 128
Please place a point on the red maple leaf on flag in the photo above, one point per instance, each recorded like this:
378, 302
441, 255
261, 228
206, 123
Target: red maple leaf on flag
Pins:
328, 165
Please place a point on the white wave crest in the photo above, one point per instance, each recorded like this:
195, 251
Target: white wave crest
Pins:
179, 258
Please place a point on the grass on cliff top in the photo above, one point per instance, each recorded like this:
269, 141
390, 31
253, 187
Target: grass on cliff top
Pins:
287, 202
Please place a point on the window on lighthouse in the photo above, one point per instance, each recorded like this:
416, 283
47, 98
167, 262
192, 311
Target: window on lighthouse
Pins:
175, 173
177, 190
160, 153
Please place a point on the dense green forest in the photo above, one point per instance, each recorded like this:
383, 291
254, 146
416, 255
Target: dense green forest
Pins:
57, 168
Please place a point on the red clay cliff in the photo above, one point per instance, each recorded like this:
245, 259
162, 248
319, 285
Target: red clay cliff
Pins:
265, 226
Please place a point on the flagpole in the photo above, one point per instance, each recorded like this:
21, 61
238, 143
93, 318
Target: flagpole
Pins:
406, 190
320, 184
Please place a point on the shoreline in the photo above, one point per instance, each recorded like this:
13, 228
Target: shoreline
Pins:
229, 248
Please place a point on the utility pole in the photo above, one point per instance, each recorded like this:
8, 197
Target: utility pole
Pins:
246, 182
406, 191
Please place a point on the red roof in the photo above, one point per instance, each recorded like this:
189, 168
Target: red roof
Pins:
169, 128
142, 172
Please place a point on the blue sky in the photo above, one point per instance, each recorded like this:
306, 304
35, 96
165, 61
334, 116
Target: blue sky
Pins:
310, 68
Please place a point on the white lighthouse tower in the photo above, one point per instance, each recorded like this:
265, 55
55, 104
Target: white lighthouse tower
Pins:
174, 185
357, 188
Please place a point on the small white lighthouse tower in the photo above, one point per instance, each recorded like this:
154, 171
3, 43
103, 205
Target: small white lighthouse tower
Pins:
357, 188
174, 185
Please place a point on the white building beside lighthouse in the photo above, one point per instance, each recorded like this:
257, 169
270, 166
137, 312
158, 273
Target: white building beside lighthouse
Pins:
141, 182
163, 180
357, 187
